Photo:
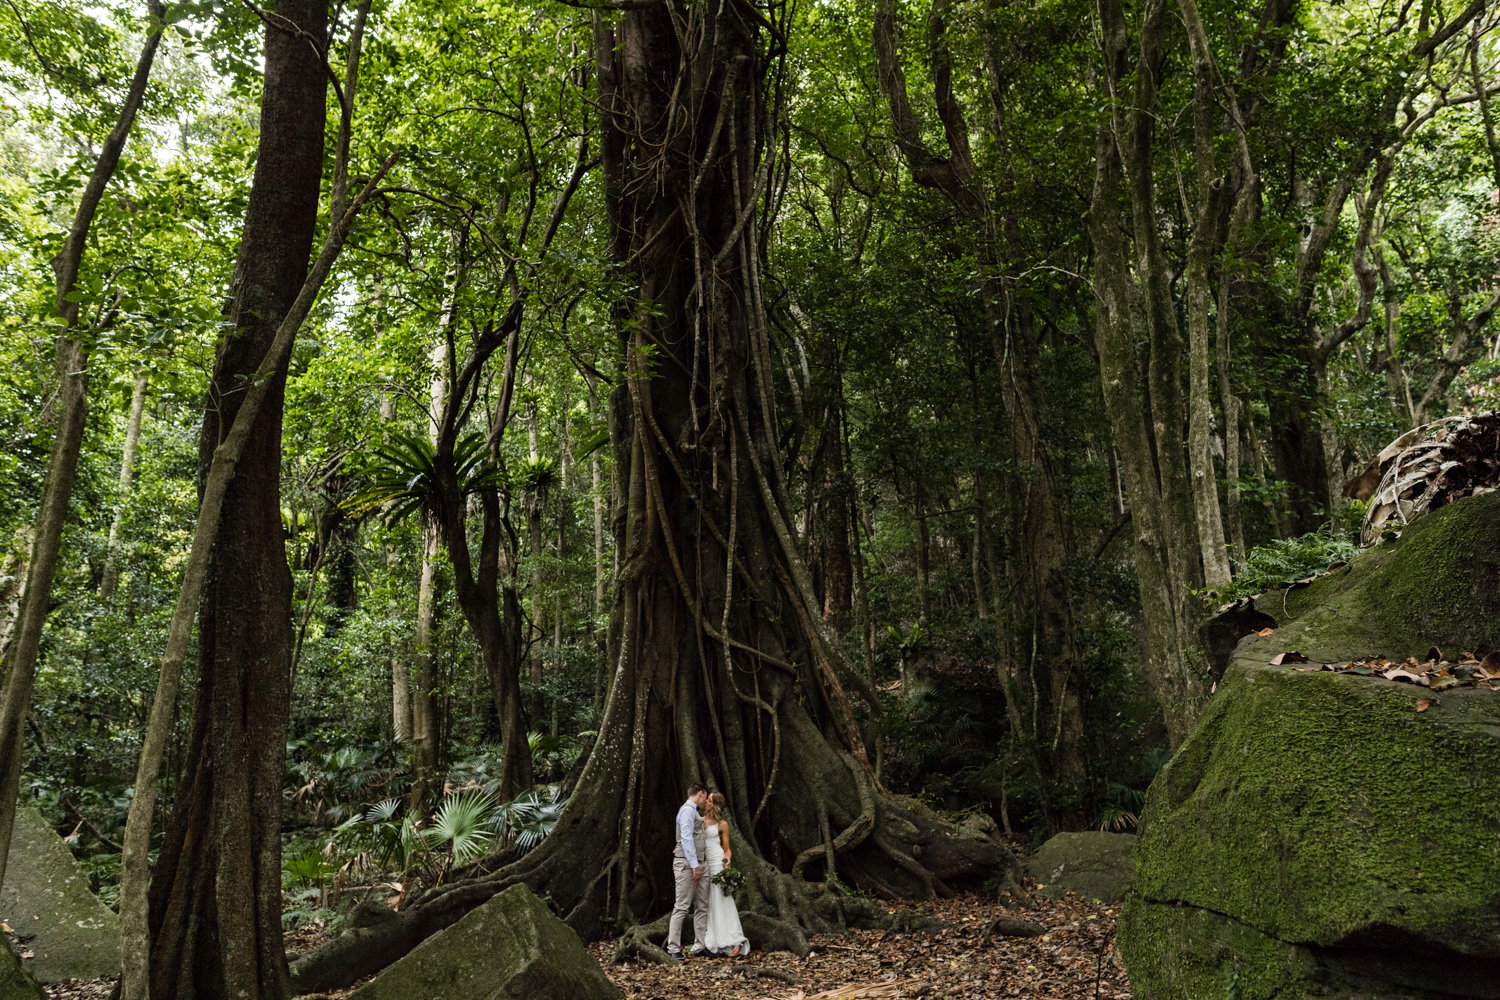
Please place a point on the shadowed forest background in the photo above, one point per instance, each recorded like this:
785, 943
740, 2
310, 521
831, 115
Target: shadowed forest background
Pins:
855, 406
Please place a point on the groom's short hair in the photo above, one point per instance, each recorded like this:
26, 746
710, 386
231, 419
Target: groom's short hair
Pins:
695, 788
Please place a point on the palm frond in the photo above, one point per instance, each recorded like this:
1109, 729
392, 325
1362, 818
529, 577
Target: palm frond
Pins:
463, 820
402, 478
531, 816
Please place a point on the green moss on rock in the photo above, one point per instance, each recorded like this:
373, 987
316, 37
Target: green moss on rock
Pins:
510, 947
1437, 585
46, 896
1316, 828
15, 983
1090, 864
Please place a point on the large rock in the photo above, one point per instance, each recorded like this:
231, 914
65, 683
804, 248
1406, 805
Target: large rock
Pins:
512, 946
47, 902
1092, 865
1328, 835
15, 984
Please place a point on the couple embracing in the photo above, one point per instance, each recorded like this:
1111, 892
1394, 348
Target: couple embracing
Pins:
701, 852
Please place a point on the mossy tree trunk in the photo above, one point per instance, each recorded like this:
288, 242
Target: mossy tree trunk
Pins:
722, 666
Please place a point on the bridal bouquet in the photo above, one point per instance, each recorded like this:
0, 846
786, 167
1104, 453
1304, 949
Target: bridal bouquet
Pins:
730, 881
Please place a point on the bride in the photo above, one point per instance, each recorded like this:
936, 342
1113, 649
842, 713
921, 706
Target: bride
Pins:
725, 935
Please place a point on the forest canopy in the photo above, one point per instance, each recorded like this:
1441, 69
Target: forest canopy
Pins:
435, 434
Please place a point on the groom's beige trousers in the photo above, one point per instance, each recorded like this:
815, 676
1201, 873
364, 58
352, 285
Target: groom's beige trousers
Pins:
690, 894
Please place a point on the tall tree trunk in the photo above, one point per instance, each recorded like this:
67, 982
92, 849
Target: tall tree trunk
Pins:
424, 713
1173, 667
1202, 249
536, 502
127, 473
215, 915
12, 591
67, 444
1397, 385
1179, 523
400, 681
1279, 520
178, 931
833, 526
596, 638
713, 599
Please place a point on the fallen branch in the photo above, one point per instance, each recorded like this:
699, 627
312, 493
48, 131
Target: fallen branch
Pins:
1010, 927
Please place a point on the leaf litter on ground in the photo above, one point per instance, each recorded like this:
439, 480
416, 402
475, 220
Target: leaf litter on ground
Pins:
962, 957
1432, 672
1074, 958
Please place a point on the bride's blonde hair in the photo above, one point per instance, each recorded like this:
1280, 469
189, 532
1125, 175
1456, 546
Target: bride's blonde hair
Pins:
716, 810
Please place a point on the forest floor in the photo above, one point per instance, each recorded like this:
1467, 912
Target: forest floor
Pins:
1075, 960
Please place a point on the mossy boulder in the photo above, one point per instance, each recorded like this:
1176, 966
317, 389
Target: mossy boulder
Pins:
46, 900
15, 983
1090, 864
1323, 834
511, 946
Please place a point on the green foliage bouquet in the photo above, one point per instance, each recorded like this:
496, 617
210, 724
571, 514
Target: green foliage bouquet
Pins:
730, 881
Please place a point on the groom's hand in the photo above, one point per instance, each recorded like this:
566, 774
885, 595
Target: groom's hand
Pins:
697, 874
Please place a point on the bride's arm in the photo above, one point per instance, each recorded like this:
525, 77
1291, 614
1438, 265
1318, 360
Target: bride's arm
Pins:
724, 843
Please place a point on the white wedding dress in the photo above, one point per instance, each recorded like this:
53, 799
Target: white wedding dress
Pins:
724, 930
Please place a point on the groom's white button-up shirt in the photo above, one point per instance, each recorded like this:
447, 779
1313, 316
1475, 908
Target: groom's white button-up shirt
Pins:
686, 817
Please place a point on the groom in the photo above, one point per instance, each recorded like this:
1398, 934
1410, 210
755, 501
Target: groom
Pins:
688, 872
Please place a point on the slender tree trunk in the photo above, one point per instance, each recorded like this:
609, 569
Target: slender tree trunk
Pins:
12, 591
1229, 405
596, 643
1174, 671
424, 712
1216, 570
1179, 525
1397, 385
1280, 520
62, 466
127, 473
424, 720
1038, 625
400, 679
400, 682
833, 528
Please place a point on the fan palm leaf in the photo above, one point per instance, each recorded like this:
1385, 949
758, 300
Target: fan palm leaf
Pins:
463, 820
402, 475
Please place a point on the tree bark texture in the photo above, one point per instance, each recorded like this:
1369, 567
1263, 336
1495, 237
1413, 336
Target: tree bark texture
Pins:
835, 562
722, 666
1201, 251
1174, 667
1179, 523
67, 444
424, 721
423, 703
215, 913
